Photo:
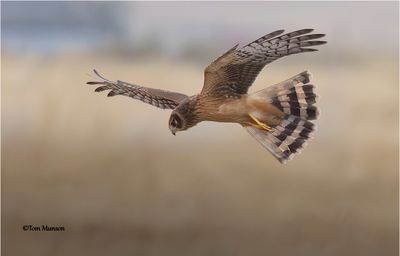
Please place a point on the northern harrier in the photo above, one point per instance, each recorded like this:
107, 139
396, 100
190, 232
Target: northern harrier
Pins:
277, 117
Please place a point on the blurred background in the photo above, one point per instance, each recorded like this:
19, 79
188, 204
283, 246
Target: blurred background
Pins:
111, 173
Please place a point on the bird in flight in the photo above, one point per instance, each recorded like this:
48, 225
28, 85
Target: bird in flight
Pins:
278, 116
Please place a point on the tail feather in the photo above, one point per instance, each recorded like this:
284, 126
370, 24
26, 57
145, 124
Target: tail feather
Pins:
286, 139
303, 94
295, 97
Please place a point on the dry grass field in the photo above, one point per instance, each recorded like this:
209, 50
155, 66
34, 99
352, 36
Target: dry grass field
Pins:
110, 172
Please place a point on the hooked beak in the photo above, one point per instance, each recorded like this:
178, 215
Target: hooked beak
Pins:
173, 133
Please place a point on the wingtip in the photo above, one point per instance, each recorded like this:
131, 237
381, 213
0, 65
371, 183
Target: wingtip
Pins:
309, 49
100, 76
98, 89
312, 43
277, 32
111, 93
307, 30
315, 36
97, 73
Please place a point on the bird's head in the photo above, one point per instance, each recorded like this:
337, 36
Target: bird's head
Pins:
184, 116
177, 122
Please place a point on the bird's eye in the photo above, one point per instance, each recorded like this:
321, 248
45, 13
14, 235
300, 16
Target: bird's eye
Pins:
176, 122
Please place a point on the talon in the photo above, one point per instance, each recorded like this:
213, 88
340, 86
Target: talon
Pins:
259, 124
266, 127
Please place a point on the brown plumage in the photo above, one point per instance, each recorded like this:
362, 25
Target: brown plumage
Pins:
278, 116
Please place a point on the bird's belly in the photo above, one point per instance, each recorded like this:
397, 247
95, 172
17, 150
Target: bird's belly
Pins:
234, 111
238, 110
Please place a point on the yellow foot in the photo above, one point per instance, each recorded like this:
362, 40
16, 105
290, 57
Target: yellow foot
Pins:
259, 124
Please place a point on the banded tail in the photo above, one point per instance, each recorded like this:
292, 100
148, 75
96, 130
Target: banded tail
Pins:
296, 98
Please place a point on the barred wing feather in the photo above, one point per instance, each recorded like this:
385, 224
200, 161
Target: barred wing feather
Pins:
235, 71
156, 97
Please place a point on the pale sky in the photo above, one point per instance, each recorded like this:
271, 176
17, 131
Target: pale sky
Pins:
42, 25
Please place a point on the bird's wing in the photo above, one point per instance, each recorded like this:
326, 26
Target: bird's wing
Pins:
233, 73
159, 98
